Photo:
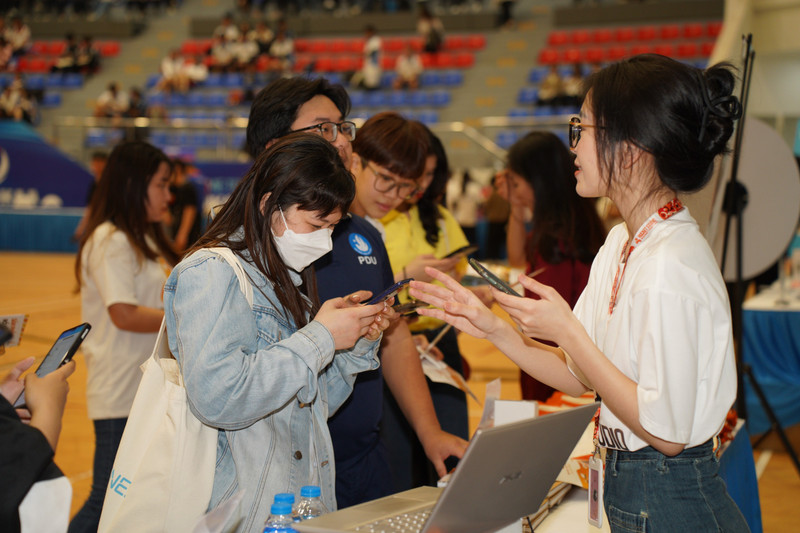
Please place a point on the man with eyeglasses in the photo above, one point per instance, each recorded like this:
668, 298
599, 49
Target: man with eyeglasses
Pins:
358, 261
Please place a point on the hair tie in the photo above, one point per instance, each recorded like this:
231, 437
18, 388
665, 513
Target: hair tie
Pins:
727, 106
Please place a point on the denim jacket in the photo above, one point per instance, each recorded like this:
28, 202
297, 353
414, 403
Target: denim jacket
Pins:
268, 387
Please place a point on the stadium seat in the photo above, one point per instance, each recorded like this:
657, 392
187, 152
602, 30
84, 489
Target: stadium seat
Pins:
687, 50
301, 45
594, 54
393, 44
428, 117
51, 99
580, 37
670, 32
389, 62
72, 80
39, 47
571, 55
527, 95
506, 138
476, 42
548, 56
452, 78
454, 42
602, 36
430, 78
444, 60
464, 60
615, 53
623, 34
396, 98
323, 64
317, 46
439, 98
646, 33
537, 74
639, 49
713, 29
520, 112
338, 46
665, 49
557, 38
57, 48
706, 49
417, 98
693, 30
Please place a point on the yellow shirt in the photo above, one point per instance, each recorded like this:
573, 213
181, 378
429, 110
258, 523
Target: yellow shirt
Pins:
405, 240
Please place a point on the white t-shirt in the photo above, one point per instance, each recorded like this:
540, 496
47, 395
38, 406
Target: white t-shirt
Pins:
670, 332
112, 273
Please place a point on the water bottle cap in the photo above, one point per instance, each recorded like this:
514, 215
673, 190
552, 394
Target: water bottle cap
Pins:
280, 508
310, 491
284, 497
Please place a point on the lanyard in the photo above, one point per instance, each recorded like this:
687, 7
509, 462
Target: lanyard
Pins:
663, 213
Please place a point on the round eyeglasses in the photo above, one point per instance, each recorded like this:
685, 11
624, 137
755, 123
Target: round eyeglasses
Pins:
330, 130
386, 184
575, 127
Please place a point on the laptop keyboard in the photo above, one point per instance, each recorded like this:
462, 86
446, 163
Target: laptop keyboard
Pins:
410, 522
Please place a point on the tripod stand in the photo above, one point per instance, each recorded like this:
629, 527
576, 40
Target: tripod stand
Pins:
735, 201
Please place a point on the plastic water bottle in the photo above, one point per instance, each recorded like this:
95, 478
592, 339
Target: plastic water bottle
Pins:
280, 519
287, 497
310, 504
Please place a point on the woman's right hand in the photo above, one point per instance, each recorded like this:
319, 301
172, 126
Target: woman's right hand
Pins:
457, 305
348, 320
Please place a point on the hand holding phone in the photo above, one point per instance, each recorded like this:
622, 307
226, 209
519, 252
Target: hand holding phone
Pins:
60, 354
493, 280
388, 292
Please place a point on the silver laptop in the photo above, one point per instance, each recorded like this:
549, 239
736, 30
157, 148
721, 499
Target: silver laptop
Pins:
504, 475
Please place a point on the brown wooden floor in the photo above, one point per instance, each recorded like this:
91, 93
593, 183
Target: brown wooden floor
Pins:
42, 286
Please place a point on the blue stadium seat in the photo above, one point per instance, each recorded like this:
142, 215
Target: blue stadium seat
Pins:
527, 95
195, 99
233, 80
72, 80
51, 99
397, 98
439, 98
452, 78
505, 138
428, 117
376, 99
430, 78
537, 74
5, 79
152, 81
175, 99
54, 80
520, 112
159, 138
544, 111
358, 98
214, 80
417, 98
387, 79
35, 82
216, 99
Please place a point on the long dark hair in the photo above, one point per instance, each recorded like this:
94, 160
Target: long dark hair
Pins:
300, 169
565, 226
434, 196
121, 197
680, 114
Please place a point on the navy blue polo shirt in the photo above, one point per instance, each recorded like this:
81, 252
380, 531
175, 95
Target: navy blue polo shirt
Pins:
358, 262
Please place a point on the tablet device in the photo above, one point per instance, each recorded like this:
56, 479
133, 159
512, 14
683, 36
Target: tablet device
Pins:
493, 280
389, 292
464, 250
60, 354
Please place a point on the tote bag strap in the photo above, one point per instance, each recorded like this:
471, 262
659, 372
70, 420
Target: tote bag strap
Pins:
233, 260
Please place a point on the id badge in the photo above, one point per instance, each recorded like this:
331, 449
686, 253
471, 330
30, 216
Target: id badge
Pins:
596, 491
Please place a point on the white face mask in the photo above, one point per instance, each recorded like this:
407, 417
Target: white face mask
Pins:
298, 250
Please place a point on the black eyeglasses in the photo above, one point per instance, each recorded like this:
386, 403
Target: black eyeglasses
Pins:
575, 127
386, 184
330, 130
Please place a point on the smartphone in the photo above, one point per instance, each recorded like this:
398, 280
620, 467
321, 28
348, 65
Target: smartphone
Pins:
464, 250
409, 308
388, 293
60, 354
493, 280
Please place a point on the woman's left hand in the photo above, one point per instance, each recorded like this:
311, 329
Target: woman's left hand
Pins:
382, 321
548, 318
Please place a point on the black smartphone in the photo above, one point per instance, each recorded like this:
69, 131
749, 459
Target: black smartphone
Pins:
60, 354
388, 293
493, 280
464, 250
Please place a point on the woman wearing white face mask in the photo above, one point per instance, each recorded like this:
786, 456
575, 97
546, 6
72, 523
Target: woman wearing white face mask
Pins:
269, 375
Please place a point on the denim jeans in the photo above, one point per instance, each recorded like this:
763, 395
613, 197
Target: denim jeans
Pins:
107, 434
647, 491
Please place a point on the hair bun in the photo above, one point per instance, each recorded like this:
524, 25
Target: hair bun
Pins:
720, 108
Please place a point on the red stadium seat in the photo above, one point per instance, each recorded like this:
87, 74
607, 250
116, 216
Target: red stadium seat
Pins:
594, 54
323, 64
641, 49
571, 55
581, 37
428, 60
393, 44
301, 45
706, 49
338, 46
356, 46
670, 32
693, 30
687, 50
444, 60
38, 65
318, 46
623, 35
557, 38
615, 53
713, 29
417, 44
665, 49
190, 48
57, 48
455, 42
302, 61
109, 48
602, 36
40, 47
389, 62
345, 63
464, 59
646, 33
476, 42
262, 63
548, 56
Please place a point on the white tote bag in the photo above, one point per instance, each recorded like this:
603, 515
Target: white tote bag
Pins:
164, 469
